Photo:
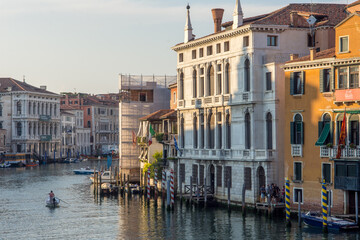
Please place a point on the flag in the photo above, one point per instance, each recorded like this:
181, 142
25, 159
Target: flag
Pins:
109, 161
151, 133
133, 138
342, 136
176, 146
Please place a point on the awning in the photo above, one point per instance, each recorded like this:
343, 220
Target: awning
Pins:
324, 134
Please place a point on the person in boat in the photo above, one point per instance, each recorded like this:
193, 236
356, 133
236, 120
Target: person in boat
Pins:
52, 196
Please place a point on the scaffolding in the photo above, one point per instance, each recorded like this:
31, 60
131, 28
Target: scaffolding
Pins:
132, 108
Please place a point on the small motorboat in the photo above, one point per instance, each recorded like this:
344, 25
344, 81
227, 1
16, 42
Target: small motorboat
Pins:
84, 171
106, 177
108, 188
5, 165
314, 219
32, 164
52, 203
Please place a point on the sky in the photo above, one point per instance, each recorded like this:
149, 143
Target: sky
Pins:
83, 45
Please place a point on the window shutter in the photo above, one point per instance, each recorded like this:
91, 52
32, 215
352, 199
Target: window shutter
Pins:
292, 132
302, 82
332, 79
302, 133
321, 80
292, 83
331, 132
320, 127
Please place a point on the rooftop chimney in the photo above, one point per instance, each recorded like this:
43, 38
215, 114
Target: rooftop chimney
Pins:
43, 87
312, 53
293, 56
217, 16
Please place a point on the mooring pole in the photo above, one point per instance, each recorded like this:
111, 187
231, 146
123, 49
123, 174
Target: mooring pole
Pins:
191, 189
243, 204
324, 207
172, 189
148, 184
168, 194
180, 180
228, 185
156, 183
205, 193
287, 202
299, 208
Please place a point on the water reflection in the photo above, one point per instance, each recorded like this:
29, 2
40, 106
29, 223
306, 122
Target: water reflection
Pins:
23, 213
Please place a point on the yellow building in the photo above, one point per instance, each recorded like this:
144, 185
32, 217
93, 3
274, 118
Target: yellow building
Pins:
318, 89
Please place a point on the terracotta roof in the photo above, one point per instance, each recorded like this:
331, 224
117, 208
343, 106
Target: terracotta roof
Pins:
69, 107
171, 115
92, 100
156, 115
328, 53
15, 85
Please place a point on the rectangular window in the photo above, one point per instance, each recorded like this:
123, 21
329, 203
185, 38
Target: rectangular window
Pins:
343, 77
227, 177
351, 170
202, 171
246, 41
325, 75
218, 176
354, 77
209, 50
182, 172
326, 172
297, 171
272, 41
247, 177
344, 44
201, 52
329, 197
193, 54
142, 97
226, 46
340, 170
297, 192
218, 48
296, 83
311, 41
268, 81
194, 173
181, 57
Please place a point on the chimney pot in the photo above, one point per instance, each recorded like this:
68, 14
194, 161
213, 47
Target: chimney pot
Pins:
217, 14
293, 56
43, 87
312, 53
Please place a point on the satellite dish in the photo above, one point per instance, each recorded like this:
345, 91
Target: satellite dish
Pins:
311, 20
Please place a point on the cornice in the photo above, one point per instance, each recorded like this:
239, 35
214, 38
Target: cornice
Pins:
326, 62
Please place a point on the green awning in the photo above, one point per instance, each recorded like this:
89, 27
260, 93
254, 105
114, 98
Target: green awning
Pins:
347, 111
324, 134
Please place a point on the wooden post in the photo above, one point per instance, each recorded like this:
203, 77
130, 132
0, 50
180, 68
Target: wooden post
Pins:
299, 209
163, 182
205, 193
156, 183
172, 189
243, 204
180, 181
356, 208
168, 194
191, 189
197, 190
148, 184
287, 202
228, 187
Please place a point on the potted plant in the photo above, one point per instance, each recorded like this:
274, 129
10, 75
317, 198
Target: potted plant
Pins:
352, 145
342, 146
329, 145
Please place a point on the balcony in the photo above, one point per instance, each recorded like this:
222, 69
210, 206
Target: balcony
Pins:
45, 138
296, 150
346, 152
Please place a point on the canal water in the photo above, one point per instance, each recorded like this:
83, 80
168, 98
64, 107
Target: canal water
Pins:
23, 214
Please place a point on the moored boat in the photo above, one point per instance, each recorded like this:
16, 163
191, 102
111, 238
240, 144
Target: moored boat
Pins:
52, 203
5, 165
108, 188
314, 219
106, 177
84, 171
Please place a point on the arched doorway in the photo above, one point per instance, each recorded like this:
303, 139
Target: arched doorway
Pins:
212, 177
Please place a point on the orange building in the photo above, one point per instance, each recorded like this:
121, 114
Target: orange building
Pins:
173, 96
318, 89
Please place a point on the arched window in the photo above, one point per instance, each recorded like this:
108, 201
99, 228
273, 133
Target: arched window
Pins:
38, 109
247, 131
42, 108
181, 86
354, 129
202, 131
194, 84
19, 128
195, 132
51, 109
297, 130
18, 108
228, 131
182, 133
227, 78
29, 110
269, 143
219, 79
1, 110
201, 82
211, 81
34, 108
247, 75
219, 131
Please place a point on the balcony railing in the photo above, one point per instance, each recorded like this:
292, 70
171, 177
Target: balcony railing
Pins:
296, 150
346, 152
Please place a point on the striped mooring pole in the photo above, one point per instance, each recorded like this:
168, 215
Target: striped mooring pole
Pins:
287, 202
156, 181
163, 181
172, 188
148, 184
324, 207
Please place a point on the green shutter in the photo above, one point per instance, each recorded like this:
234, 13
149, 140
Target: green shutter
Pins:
303, 82
321, 84
292, 132
302, 133
320, 127
292, 83
323, 135
331, 132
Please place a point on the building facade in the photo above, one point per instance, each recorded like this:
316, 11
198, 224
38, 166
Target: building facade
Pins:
320, 89
231, 91
31, 117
